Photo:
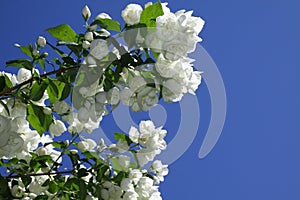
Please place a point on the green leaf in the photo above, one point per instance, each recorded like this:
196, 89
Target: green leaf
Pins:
108, 24
66, 91
27, 50
38, 119
83, 190
8, 83
53, 187
41, 197
42, 63
150, 14
122, 137
26, 180
21, 62
5, 106
82, 173
116, 165
3, 186
55, 90
37, 91
63, 33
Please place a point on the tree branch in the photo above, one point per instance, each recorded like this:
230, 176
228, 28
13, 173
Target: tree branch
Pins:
9, 90
40, 174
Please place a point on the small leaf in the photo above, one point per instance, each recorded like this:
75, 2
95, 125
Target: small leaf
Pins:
66, 91
38, 119
22, 63
55, 90
26, 180
37, 91
82, 173
63, 33
3, 186
41, 197
27, 50
42, 63
116, 164
123, 137
5, 106
53, 187
83, 190
108, 24
150, 13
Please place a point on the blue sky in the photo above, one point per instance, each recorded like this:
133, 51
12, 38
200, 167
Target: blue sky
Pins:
256, 46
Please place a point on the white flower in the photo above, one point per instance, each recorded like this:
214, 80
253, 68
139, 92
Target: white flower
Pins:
113, 96
125, 95
126, 184
89, 36
122, 146
167, 26
172, 91
167, 68
87, 145
61, 107
41, 41
154, 42
83, 115
86, 13
101, 97
135, 175
47, 110
36, 185
103, 16
23, 75
137, 83
35, 52
134, 134
159, 169
17, 191
115, 192
194, 82
146, 155
130, 195
180, 46
124, 161
188, 23
165, 8
132, 13
10, 140
104, 194
57, 128
99, 49
86, 44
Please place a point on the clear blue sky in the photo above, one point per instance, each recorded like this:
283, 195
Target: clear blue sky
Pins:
256, 45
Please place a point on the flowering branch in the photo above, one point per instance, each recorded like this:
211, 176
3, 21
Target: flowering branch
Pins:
39, 174
60, 70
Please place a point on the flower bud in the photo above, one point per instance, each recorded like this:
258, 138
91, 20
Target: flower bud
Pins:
148, 4
41, 41
44, 55
74, 151
47, 111
35, 52
86, 44
89, 36
57, 128
86, 13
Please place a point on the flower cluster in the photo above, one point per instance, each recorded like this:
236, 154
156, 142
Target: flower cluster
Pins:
169, 76
43, 112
